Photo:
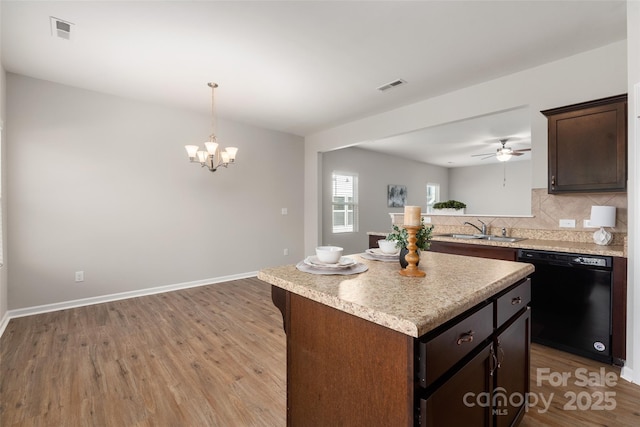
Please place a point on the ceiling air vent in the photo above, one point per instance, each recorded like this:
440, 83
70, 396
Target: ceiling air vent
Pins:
60, 28
392, 84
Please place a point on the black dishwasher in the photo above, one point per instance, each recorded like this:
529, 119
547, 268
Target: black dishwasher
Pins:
571, 302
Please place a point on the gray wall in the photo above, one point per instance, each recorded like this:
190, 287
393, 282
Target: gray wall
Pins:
375, 171
496, 189
3, 209
103, 185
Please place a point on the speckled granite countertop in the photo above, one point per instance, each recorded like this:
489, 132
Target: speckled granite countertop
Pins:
533, 243
544, 245
412, 306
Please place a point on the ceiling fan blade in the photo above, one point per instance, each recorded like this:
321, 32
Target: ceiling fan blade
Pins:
522, 150
485, 154
515, 153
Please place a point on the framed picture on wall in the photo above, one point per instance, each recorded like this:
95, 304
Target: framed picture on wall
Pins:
396, 196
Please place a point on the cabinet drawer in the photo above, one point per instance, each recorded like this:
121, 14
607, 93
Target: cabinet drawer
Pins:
440, 353
513, 301
455, 402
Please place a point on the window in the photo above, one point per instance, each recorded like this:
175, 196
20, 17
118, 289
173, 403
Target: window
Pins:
433, 195
344, 202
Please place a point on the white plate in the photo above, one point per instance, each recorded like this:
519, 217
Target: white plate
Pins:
373, 257
344, 262
354, 269
378, 252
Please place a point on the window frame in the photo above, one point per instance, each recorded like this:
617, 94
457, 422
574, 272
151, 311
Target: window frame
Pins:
349, 208
436, 196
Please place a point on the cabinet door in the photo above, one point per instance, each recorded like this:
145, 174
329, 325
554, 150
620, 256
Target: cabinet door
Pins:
463, 400
588, 146
481, 251
512, 373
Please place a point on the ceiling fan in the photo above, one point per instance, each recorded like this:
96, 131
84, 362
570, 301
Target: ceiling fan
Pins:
503, 153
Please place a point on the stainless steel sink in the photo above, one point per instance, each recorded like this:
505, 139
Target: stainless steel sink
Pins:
465, 236
505, 239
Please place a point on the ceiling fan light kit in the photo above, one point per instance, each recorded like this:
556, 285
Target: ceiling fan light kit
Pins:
503, 153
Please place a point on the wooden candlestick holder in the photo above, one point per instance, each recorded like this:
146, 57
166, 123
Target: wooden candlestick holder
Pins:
412, 257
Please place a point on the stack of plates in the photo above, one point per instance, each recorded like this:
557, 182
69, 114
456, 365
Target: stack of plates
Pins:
378, 255
345, 265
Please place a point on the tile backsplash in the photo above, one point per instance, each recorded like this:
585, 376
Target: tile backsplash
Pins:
547, 211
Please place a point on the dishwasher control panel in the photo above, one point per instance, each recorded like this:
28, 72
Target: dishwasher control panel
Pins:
598, 262
544, 257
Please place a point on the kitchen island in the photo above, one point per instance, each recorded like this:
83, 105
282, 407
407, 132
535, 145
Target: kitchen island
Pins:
378, 348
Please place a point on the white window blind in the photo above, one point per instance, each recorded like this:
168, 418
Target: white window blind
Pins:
344, 202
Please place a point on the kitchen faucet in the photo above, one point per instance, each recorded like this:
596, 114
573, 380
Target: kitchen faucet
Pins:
484, 227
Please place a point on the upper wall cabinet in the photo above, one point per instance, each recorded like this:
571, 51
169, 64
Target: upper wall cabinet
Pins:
588, 146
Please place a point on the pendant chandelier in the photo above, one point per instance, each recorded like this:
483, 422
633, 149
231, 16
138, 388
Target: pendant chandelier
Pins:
212, 156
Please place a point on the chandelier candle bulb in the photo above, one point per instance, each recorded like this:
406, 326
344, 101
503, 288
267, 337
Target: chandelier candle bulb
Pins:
412, 215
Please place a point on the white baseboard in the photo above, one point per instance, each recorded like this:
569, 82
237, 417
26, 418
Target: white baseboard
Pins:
29, 311
4, 322
627, 374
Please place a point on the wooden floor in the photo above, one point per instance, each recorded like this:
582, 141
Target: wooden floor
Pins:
210, 356
206, 356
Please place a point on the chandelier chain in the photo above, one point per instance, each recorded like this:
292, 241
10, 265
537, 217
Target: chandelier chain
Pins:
213, 86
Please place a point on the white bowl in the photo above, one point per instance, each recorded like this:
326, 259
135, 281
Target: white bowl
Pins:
329, 254
387, 246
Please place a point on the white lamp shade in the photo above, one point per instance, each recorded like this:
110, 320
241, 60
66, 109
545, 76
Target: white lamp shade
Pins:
211, 147
232, 152
603, 216
202, 156
225, 157
191, 150
503, 157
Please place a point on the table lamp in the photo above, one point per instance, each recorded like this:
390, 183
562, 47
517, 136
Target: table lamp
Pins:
603, 216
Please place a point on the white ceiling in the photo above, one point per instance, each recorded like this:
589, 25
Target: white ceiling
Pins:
462, 143
296, 66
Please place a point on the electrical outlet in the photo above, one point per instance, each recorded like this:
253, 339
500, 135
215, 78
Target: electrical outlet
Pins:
587, 224
286, 251
568, 223
79, 276
285, 211
427, 220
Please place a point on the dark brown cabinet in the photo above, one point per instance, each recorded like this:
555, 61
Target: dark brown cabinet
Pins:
341, 367
482, 251
489, 390
588, 146
512, 371
455, 403
470, 375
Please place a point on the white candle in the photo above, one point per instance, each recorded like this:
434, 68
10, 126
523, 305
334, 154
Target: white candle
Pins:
412, 215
